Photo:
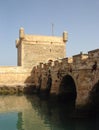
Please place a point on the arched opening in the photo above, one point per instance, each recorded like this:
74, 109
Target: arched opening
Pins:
94, 96
67, 89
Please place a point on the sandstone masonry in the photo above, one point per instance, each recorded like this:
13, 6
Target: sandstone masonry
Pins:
43, 65
33, 49
81, 70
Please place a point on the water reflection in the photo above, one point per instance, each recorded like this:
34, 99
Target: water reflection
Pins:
20, 121
56, 115
34, 113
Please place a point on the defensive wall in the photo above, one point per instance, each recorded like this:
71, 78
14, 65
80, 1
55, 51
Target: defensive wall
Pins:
14, 79
78, 74
31, 49
43, 66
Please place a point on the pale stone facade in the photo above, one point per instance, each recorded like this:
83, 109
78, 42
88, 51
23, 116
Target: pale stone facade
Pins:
33, 49
40, 57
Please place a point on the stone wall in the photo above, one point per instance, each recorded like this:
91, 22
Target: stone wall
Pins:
79, 67
15, 79
33, 49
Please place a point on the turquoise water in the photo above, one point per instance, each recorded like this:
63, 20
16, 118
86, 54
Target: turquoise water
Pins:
34, 113
8, 121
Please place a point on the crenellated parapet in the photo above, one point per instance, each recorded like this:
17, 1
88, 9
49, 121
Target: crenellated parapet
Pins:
43, 66
83, 68
80, 61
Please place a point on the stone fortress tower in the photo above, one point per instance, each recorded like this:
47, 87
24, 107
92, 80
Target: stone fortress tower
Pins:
33, 49
81, 71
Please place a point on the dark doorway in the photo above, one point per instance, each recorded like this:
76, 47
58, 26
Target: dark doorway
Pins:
67, 89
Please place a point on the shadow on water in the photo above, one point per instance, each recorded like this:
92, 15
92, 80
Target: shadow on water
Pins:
31, 112
64, 116
55, 114
50, 112
60, 113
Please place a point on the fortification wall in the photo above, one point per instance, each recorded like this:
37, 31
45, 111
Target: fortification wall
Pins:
13, 79
12, 75
79, 67
33, 49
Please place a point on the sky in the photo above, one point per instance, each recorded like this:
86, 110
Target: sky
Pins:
80, 18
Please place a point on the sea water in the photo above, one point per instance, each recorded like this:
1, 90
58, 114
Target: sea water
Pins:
36, 113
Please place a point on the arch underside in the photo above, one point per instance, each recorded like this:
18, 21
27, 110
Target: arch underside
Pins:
94, 95
67, 89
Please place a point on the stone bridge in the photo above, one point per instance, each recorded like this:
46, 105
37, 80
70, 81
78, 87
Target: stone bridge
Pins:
73, 77
69, 78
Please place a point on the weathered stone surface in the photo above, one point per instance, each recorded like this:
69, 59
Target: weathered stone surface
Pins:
33, 49
47, 53
79, 68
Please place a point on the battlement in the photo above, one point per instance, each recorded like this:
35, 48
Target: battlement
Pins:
42, 59
80, 61
81, 70
35, 39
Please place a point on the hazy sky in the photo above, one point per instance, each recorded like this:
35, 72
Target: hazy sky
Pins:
80, 18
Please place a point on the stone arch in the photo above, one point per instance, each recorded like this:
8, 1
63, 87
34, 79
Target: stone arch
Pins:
94, 95
67, 88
